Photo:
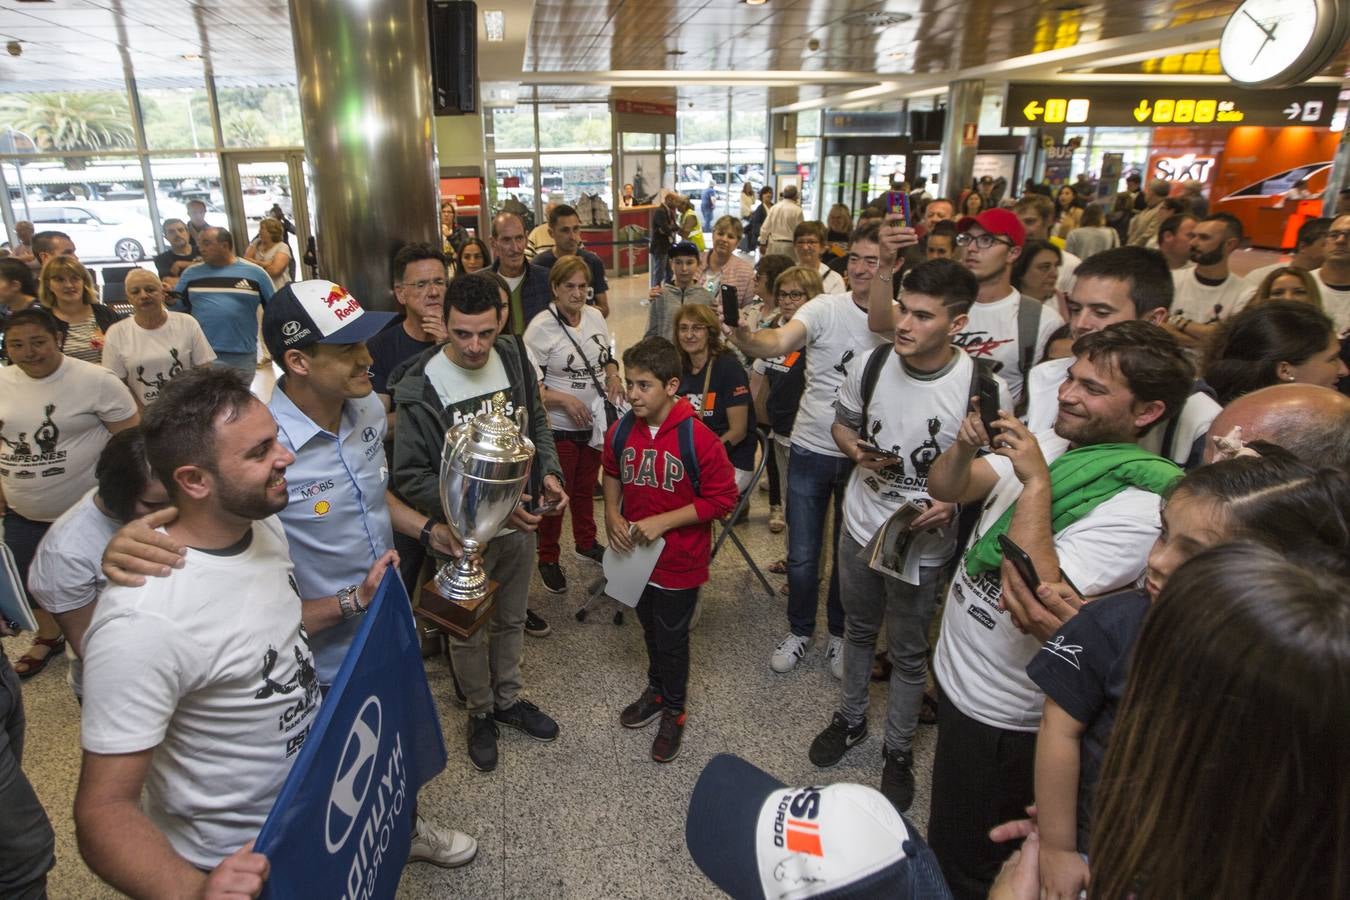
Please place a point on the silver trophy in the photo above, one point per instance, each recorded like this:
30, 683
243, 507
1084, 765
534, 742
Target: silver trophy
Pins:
484, 468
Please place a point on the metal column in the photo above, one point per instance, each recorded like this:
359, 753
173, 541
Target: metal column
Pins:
365, 99
958, 157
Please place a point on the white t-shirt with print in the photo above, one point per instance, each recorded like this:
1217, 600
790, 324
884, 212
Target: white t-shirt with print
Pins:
1207, 303
833, 282
52, 431
1335, 302
147, 358
981, 657
211, 668
917, 418
992, 334
456, 385
837, 339
555, 356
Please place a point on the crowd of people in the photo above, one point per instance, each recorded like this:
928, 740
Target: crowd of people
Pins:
1119, 470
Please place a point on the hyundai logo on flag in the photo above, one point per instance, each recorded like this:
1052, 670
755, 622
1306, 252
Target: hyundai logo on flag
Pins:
354, 775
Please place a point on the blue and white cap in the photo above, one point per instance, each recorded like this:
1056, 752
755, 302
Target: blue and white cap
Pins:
317, 312
758, 839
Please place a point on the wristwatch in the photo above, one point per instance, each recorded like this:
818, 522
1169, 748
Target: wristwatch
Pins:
349, 603
425, 537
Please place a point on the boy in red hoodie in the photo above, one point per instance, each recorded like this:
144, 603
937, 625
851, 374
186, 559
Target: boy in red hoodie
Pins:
650, 493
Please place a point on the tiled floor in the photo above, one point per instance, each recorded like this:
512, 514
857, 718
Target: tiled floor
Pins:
589, 815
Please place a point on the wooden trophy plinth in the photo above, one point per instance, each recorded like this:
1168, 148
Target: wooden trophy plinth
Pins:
458, 617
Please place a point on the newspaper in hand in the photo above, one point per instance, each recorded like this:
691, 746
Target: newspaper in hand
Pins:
891, 550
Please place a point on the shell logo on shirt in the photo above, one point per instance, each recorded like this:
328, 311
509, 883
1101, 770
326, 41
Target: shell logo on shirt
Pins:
322, 507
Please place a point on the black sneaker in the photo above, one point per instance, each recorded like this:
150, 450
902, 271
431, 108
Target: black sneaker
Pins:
526, 717
535, 626
595, 553
667, 744
483, 742
642, 710
831, 744
552, 576
897, 778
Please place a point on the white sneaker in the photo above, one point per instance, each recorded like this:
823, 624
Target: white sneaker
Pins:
790, 650
834, 655
440, 846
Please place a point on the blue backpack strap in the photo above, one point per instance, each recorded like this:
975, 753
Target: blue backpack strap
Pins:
685, 432
621, 432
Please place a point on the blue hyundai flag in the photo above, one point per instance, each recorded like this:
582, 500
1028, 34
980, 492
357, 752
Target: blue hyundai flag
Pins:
342, 825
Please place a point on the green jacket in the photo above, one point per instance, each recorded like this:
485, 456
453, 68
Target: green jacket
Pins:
419, 432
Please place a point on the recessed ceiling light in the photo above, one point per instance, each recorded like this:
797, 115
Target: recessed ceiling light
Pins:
494, 24
876, 19
192, 57
754, 2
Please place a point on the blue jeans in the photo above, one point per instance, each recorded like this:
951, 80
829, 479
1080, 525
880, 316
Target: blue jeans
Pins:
816, 478
657, 265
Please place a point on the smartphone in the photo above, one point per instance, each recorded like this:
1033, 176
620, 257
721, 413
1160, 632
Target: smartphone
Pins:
1020, 561
989, 401
897, 203
872, 448
731, 306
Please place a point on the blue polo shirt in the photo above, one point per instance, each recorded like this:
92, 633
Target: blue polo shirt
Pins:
337, 521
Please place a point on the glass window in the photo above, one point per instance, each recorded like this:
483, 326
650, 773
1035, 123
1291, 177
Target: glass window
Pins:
633, 141
177, 118
260, 115
510, 128
70, 120
99, 202
576, 126
808, 123
514, 179
575, 174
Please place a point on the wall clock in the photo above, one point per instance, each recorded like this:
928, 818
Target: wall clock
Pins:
1278, 43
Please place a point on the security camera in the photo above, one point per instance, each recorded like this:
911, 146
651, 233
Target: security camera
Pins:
14, 48
813, 45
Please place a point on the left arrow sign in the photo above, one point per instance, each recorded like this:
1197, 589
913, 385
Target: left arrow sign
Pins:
1032, 111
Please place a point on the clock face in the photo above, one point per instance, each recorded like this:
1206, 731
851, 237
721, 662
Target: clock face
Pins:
1266, 38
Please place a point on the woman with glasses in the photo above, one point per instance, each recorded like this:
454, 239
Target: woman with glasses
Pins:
66, 290
154, 345
777, 383
569, 342
715, 383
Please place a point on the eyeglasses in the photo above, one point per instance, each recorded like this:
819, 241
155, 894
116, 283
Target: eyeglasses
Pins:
686, 328
982, 241
421, 286
792, 295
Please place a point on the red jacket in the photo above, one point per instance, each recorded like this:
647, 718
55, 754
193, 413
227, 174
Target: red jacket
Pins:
647, 492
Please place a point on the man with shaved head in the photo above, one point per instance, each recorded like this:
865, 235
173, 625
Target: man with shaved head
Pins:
530, 292
1311, 422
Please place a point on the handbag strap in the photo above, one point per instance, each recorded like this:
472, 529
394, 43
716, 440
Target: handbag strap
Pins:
707, 380
582, 353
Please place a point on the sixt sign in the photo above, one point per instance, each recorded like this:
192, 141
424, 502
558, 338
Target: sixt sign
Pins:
1148, 104
342, 825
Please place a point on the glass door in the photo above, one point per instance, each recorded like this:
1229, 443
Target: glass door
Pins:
268, 185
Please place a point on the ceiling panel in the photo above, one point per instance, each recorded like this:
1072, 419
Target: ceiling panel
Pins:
70, 43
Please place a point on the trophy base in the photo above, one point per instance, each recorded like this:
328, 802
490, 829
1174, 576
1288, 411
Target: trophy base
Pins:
458, 617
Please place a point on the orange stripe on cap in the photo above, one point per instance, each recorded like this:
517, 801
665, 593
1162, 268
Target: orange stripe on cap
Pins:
801, 840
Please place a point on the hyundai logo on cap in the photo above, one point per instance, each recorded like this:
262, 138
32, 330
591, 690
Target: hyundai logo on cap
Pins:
355, 773
291, 328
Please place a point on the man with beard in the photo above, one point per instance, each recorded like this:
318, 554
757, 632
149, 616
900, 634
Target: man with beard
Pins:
1209, 292
1081, 500
202, 679
1121, 285
564, 226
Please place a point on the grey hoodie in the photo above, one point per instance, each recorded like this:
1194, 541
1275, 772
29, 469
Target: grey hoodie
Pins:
661, 313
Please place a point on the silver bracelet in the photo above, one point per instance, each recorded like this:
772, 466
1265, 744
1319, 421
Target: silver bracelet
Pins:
349, 603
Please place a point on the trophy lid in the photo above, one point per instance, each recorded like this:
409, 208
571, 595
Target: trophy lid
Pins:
494, 435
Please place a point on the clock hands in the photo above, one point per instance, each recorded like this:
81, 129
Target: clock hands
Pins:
1268, 32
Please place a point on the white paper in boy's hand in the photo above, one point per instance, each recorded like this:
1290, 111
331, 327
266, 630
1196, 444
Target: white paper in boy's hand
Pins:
627, 574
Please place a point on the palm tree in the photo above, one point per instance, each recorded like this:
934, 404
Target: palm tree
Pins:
92, 120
